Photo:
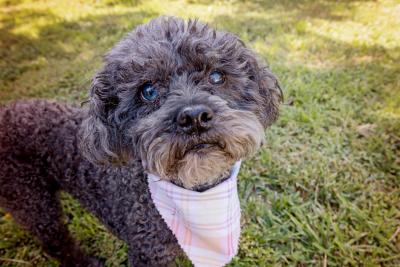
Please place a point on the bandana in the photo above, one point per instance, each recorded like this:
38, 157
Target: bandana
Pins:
206, 224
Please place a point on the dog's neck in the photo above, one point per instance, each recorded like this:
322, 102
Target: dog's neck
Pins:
208, 185
213, 233
215, 182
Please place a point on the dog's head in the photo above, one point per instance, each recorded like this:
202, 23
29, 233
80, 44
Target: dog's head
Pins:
187, 100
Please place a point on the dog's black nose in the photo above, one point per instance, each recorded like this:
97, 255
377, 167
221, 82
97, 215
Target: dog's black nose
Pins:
195, 118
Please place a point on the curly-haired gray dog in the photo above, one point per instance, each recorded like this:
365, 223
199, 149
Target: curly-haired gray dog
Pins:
174, 98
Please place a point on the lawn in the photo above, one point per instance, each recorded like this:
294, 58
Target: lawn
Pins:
324, 191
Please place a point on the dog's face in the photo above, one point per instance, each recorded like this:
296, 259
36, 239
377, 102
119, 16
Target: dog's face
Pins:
186, 100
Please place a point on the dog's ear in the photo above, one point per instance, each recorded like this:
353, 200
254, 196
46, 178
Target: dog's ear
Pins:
270, 90
100, 137
272, 93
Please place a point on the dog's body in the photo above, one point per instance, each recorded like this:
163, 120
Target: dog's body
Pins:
159, 107
39, 157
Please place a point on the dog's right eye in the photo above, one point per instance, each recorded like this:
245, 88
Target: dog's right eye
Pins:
149, 92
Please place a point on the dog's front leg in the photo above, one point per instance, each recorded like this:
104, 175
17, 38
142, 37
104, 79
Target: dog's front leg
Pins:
152, 247
145, 256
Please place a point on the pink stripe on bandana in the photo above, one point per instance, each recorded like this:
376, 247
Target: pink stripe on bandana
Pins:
206, 224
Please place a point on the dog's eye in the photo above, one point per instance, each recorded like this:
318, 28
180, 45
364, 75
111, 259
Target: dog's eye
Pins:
216, 77
149, 92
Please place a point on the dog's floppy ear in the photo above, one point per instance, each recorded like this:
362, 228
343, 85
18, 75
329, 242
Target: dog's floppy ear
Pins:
270, 90
100, 138
272, 93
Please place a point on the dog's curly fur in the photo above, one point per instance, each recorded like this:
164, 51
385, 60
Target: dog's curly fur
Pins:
100, 155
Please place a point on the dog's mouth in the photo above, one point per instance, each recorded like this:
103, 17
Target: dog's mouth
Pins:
203, 147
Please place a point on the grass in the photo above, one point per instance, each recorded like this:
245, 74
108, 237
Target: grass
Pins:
325, 191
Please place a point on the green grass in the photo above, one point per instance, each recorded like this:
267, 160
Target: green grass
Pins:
325, 191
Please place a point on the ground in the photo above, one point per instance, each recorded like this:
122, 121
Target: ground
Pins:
325, 190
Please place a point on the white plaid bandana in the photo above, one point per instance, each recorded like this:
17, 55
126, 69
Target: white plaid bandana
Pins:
206, 224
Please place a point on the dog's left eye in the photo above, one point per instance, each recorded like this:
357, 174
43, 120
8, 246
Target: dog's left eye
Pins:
216, 77
149, 92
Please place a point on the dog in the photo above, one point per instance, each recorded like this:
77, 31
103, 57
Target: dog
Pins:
175, 98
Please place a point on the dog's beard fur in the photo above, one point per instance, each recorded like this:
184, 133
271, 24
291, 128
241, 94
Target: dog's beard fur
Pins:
199, 161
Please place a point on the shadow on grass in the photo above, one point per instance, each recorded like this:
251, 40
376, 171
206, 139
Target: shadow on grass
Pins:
58, 42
